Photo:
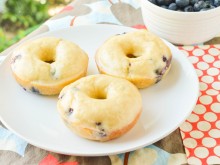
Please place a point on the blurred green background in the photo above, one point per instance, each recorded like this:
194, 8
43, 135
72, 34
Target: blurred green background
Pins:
20, 17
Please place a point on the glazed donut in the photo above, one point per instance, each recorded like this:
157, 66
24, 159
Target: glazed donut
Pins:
138, 56
100, 107
46, 65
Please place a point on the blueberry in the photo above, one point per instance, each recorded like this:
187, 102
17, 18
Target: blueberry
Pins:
164, 59
199, 5
160, 2
102, 133
168, 2
188, 9
207, 5
207, 8
70, 111
159, 75
35, 90
192, 2
204, 9
187, 5
161, 71
211, 2
216, 3
164, 6
182, 3
212, 7
158, 72
153, 1
172, 6
208, 2
164, 2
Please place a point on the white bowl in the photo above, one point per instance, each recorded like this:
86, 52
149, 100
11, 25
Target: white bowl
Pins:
184, 28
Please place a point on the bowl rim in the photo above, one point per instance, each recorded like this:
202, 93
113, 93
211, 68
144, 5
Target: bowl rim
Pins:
147, 2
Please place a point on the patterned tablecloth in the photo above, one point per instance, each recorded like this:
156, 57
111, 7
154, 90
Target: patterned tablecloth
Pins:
196, 142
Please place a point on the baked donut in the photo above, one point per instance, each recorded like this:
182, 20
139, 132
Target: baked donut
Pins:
100, 107
138, 56
46, 65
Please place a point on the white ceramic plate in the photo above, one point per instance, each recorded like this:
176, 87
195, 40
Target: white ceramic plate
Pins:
34, 118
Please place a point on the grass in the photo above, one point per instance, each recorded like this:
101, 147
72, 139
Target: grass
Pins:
7, 39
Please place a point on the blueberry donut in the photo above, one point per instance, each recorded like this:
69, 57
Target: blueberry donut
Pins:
100, 107
138, 56
46, 65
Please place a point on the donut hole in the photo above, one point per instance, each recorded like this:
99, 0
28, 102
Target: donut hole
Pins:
100, 96
131, 50
97, 94
48, 56
48, 59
